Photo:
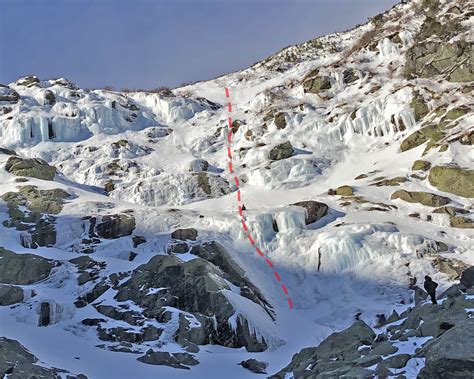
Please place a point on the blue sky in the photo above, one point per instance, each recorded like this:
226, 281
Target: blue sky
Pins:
150, 43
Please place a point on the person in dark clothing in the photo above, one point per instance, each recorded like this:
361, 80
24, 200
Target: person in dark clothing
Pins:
430, 288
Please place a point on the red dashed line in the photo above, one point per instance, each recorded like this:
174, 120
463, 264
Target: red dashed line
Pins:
290, 303
239, 200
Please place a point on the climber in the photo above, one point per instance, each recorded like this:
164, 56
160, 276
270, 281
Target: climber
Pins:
430, 288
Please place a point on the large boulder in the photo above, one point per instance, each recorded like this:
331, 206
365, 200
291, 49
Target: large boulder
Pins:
255, 366
316, 83
115, 226
175, 360
185, 234
314, 210
425, 198
23, 269
344, 191
38, 201
451, 355
430, 133
10, 294
451, 179
33, 168
281, 151
461, 222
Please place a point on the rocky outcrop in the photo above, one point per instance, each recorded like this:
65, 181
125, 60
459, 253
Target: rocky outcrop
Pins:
281, 151
23, 269
33, 168
451, 355
175, 360
314, 210
425, 198
215, 253
334, 355
429, 59
10, 294
451, 179
88, 269
98, 290
28, 81
357, 353
17, 362
436, 53
197, 287
210, 185
9, 95
33, 211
